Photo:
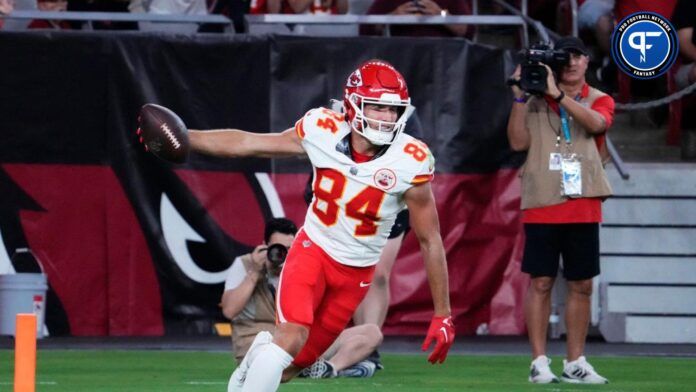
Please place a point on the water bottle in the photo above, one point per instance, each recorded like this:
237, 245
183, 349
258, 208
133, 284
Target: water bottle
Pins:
554, 320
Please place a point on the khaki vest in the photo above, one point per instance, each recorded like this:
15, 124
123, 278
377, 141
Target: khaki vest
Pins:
258, 315
541, 187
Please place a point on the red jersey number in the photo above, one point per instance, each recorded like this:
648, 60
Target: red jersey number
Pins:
364, 207
329, 121
415, 151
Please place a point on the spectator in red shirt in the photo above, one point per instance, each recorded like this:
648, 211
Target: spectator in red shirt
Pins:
308, 7
419, 7
53, 6
102, 6
623, 8
563, 185
298, 7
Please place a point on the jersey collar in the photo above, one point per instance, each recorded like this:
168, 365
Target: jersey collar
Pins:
344, 147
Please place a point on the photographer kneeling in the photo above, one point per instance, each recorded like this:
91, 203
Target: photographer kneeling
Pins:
562, 127
249, 296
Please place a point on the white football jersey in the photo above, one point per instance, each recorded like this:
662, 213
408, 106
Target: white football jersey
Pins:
355, 204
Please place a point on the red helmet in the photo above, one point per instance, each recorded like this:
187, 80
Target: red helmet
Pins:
376, 82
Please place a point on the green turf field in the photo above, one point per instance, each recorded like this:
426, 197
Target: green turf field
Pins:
85, 370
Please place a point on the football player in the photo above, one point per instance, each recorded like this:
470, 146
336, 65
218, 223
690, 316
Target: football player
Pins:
365, 172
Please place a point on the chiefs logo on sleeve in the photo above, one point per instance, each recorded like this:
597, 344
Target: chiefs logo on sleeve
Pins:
385, 179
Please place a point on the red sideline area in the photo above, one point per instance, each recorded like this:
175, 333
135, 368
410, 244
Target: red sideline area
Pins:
98, 261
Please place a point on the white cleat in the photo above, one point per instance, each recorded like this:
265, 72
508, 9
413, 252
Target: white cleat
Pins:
239, 375
540, 372
581, 372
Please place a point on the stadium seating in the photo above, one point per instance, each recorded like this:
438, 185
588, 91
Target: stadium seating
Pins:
648, 256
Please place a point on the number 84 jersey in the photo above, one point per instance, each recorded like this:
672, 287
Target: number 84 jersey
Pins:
355, 204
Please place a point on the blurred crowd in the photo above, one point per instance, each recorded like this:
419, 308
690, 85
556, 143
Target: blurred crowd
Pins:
595, 19
236, 9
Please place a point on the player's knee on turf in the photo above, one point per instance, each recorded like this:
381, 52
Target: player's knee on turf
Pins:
291, 337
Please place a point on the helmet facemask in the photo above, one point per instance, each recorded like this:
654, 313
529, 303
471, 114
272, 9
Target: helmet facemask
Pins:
379, 132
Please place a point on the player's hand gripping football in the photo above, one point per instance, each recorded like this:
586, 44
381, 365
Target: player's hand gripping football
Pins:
163, 133
442, 332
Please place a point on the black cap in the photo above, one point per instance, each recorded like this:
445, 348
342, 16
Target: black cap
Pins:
571, 44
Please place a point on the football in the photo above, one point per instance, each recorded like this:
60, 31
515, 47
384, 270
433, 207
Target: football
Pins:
163, 133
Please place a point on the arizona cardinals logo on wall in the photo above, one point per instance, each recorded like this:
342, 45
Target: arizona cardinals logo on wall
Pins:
355, 79
385, 179
179, 235
15, 253
129, 242
11, 232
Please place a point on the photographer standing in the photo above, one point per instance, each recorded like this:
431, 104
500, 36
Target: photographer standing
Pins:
249, 296
563, 186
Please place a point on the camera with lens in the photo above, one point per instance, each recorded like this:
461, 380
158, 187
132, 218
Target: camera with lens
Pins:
276, 254
533, 73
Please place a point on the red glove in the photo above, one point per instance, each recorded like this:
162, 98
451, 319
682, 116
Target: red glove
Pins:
442, 331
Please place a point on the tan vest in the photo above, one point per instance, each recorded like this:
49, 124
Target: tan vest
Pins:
541, 187
258, 315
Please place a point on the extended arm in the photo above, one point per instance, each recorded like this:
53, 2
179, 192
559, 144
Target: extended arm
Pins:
235, 299
426, 226
589, 119
234, 143
421, 205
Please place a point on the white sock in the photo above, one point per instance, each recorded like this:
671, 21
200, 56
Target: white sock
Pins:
237, 379
265, 373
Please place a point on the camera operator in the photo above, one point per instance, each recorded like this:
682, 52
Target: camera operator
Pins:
563, 186
249, 296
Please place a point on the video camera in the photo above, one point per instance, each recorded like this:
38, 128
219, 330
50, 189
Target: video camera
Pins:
533, 73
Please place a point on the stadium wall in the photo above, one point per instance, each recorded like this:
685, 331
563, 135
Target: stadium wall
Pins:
136, 246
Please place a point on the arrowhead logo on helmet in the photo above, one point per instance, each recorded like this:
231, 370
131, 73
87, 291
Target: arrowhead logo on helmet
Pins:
355, 79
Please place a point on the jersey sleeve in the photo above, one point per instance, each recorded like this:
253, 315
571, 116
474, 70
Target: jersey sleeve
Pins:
318, 123
300, 126
424, 171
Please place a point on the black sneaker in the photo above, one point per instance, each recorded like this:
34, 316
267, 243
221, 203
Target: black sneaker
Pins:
375, 358
319, 369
